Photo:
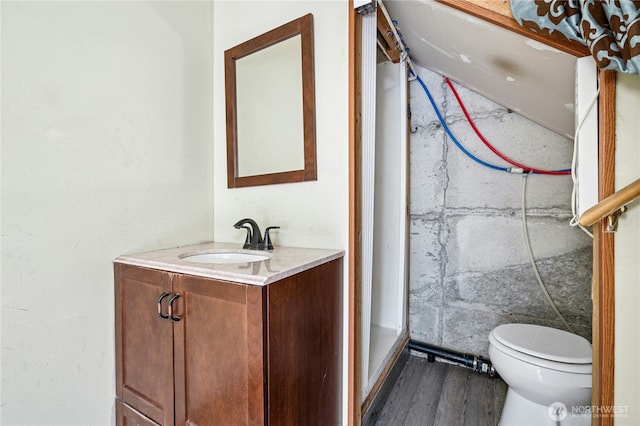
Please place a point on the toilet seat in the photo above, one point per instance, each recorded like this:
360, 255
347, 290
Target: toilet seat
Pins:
544, 347
545, 342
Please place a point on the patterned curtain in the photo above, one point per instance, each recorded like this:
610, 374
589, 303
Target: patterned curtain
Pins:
609, 28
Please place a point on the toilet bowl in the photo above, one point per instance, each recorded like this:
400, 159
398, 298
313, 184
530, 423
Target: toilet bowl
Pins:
548, 372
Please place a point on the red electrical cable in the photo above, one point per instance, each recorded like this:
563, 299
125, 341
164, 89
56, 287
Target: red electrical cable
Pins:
494, 150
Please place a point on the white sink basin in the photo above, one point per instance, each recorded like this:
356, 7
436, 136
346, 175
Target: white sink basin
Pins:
222, 256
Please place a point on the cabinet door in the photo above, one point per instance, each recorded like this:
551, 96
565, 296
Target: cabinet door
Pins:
144, 343
219, 361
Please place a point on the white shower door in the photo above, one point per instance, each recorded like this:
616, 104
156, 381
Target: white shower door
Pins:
385, 236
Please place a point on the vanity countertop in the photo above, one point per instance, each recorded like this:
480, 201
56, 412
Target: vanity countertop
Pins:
283, 262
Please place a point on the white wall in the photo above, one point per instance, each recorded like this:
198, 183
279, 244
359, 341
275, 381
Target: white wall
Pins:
310, 214
106, 149
627, 252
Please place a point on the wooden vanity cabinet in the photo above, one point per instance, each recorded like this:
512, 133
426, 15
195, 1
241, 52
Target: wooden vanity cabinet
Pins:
233, 354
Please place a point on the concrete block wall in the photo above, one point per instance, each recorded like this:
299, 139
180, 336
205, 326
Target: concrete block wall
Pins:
469, 267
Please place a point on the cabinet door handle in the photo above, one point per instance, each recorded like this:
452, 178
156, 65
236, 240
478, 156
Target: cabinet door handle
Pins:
160, 313
170, 305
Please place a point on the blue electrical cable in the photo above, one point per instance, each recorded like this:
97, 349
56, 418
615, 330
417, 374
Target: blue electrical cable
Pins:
453, 138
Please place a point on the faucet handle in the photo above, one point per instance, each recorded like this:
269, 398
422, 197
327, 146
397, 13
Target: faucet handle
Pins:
266, 243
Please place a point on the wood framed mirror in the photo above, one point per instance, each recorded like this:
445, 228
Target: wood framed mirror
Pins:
270, 106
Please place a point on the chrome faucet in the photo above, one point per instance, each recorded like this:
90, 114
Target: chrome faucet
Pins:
254, 240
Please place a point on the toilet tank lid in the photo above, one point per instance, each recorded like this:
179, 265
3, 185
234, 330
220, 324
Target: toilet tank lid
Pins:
545, 342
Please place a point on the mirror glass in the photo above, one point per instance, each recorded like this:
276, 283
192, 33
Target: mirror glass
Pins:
271, 107
262, 77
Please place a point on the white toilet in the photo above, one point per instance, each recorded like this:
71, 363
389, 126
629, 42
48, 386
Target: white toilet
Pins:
548, 372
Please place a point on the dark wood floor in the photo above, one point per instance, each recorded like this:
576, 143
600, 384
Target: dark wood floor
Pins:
437, 393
